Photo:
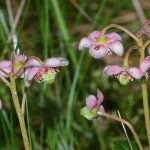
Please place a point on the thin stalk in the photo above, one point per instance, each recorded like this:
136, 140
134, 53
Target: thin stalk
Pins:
146, 108
145, 95
126, 123
5, 80
19, 112
121, 28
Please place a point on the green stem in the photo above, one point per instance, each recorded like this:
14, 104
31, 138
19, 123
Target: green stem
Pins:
146, 108
19, 112
145, 94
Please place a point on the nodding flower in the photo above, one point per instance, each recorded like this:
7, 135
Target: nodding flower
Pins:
93, 105
100, 45
43, 71
124, 75
13, 65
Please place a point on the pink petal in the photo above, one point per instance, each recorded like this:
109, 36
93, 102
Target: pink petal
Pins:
32, 63
145, 64
117, 48
5, 65
112, 70
101, 109
91, 102
30, 73
94, 35
100, 97
112, 37
56, 62
135, 72
20, 58
84, 43
98, 51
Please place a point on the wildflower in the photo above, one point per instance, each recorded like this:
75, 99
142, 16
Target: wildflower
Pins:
43, 72
13, 65
93, 105
99, 45
124, 75
145, 64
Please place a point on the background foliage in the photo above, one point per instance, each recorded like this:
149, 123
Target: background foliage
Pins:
53, 28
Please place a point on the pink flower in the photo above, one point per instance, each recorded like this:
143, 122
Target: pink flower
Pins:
145, 64
93, 106
93, 102
13, 65
43, 72
124, 75
99, 45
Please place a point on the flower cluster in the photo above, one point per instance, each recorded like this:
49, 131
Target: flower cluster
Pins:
93, 106
99, 45
32, 68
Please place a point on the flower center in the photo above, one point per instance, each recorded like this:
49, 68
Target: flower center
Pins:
101, 40
124, 78
46, 75
17, 65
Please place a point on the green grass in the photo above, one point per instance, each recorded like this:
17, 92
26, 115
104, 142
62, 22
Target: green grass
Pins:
54, 28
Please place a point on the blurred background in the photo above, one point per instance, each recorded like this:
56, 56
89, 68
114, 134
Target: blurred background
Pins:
49, 28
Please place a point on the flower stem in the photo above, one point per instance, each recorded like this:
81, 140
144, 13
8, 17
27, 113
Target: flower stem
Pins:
121, 28
145, 94
146, 108
128, 54
19, 112
126, 123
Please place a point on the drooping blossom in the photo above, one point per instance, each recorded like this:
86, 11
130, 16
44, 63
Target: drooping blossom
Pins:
124, 75
145, 64
13, 65
43, 72
99, 45
93, 105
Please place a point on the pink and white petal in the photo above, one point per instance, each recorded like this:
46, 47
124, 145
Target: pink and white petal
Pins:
117, 48
145, 64
56, 62
63, 61
32, 63
91, 102
100, 97
30, 73
94, 35
5, 66
112, 37
101, 109
20, 58
98, 51
112, 70
84, 43
135, 72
